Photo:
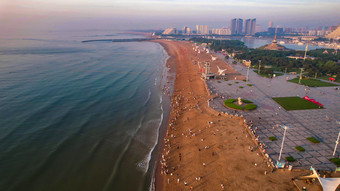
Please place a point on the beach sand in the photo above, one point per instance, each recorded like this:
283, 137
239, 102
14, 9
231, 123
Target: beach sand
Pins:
205, 150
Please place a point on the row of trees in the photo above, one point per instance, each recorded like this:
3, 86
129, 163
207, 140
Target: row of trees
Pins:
218, 45
325, 62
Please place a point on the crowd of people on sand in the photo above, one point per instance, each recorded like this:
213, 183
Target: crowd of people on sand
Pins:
181, 102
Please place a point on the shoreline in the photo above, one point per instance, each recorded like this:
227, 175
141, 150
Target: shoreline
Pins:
197, 134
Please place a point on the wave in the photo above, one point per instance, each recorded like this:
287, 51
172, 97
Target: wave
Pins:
120, 157
148, 98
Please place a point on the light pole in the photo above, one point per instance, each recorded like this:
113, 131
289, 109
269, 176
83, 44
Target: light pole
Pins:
283, 140
248, 73
259, 67
300, 75
337, 141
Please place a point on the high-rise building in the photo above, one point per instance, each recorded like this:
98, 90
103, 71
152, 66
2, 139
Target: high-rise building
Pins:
224, 31
270, 24
186, 30
249, 26
202, 29
236, 26
170, 31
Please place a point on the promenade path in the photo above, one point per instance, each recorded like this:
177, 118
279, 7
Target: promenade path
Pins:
306, 123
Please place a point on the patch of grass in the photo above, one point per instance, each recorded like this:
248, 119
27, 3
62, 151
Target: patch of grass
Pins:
250, 85
241, 87
337, 79
312, 82
290, 159
250, 106
299, 148
263, 74
234, 106
237, 82
295, 103
218, 81
335, 161
272, 138
225, 79
229, 84
244, 80
230, 101
313, 140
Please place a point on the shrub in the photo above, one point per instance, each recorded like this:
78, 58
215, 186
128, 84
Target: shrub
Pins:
225, 79
299, 148
244, 80
241, 87
218, 81
335, 161
290, 159
229, 84
250, 85
237, 82
272, 138
313, 140
250, 107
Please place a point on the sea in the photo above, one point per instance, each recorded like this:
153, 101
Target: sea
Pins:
80, 116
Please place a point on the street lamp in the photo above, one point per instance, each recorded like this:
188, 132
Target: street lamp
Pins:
337, 141
283, 140
300, 75
248, 73
259, 66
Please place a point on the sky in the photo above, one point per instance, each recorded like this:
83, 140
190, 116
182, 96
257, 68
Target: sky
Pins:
28, 15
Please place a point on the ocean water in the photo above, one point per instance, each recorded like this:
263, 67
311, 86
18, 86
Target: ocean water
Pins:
79, 116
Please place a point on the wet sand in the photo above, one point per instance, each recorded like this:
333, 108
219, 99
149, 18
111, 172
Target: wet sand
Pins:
203, 149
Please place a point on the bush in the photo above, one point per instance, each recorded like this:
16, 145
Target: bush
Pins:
250, 85
299, 148
229, 84
313, 140
241, 87
250, 107
244, 80
225, 79
272, 138
237, 82
218, 81
335, 161
290, 159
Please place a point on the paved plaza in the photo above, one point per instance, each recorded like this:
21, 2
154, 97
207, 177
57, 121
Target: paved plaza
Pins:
305, 123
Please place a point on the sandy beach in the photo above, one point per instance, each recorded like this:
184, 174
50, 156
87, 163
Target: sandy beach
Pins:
204, 149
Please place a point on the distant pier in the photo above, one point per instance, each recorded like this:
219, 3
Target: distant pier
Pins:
119, 40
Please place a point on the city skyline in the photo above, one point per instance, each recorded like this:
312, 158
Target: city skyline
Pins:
154, 14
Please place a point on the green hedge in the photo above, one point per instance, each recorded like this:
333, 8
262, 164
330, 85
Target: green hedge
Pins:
290, 159
313, 140
299, 148
335, 161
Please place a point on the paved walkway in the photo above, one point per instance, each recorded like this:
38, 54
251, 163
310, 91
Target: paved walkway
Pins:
306, 123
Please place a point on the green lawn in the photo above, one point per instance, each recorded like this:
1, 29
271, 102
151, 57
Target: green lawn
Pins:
335, 161
295, 103
327, 77
268, 75
311, 82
